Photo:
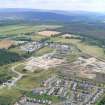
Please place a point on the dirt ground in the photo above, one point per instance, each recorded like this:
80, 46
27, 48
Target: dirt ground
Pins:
42, 63
48, 33
6, 44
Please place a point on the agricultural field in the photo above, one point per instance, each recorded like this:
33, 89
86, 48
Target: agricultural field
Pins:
48, 33
24, 28
17, 50
5, 44
37, 37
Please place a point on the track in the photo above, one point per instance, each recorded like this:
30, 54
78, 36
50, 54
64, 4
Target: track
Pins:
17, 78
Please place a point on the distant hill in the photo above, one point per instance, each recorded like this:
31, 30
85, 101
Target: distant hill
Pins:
39, 15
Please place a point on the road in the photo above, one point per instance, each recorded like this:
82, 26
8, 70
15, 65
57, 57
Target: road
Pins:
20, 75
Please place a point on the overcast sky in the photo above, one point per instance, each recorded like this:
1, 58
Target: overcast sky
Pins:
86, 5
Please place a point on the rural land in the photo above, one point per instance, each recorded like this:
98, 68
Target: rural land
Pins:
52, 58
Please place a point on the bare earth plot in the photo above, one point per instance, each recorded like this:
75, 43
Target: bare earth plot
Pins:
84, 68
43, 62
6, 44
48, 33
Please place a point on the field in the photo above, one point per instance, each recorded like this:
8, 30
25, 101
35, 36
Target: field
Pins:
33, 80
43, 51
54, 99
5, 44
17, 50
48, 33
5, 73
37, 37
24, 28
102, 101
9, 96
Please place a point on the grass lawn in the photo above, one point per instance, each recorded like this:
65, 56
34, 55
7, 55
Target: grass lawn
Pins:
54, 99
33, 80
6, 29
43, 51
9, 96
37, 37
72, 57
5, 73
28, 82
17, 50
101, 101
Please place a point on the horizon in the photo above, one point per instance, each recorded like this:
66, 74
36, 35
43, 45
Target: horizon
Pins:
59, 5
46, 10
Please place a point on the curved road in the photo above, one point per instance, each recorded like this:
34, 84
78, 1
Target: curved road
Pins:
16, 72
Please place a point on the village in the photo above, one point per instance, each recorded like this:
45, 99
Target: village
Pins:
69, 93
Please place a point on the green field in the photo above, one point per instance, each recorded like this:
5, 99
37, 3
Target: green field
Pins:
17, 50
24, 28
54, 99
37, 37
33, 80
5, 74
101, 101
43, 51
9, 96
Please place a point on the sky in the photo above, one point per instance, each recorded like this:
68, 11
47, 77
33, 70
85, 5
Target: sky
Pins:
68, 5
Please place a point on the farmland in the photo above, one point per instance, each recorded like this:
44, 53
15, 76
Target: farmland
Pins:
24, 28
5, 44
48, 33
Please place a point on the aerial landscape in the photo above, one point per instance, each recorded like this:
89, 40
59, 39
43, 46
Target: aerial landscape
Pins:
51, 53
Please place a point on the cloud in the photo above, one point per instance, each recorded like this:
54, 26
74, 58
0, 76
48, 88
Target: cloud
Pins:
86, 5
